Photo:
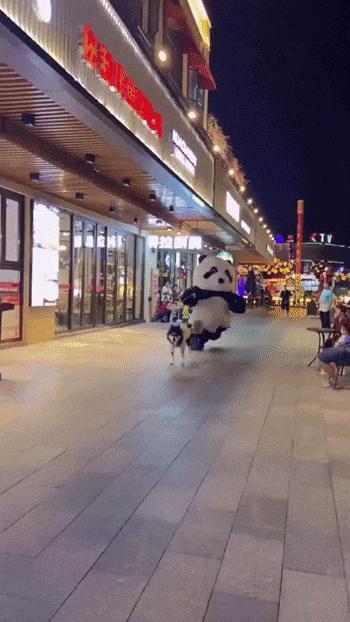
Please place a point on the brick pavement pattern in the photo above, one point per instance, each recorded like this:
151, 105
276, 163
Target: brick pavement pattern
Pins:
133, 491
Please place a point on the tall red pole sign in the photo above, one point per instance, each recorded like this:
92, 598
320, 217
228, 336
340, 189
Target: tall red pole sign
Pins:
300, 235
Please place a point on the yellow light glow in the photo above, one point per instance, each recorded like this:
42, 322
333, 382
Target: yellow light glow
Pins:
242, 189
163, 56
202, 20
192, 114
231, 172
216, 148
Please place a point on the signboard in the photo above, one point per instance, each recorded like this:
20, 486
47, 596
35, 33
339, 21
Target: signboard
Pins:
45, 256
99, 58
184, 242
322, 238
245, 226
232, 207
183, 153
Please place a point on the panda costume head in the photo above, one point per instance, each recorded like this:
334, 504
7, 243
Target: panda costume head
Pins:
213, 273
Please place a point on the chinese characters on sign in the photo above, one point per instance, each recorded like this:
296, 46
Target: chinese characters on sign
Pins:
100, 59
183, 153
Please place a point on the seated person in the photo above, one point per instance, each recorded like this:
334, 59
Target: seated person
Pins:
337, 355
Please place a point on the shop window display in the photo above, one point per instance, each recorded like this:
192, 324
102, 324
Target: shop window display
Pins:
98, 281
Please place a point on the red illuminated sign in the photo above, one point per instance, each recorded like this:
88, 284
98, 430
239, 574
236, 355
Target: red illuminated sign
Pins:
100, 59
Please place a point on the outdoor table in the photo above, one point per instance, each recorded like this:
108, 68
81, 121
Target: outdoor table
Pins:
322, 334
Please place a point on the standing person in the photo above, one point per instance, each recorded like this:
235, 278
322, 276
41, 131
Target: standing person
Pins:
327, 300
285, 296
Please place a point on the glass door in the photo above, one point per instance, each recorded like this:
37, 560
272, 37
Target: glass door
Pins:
11, 265
130, 280
100, 275
140, 269
64, 272
111, 284
121, 279
78, 271
89, 274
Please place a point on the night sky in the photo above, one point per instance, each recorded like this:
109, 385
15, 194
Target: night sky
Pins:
283, 73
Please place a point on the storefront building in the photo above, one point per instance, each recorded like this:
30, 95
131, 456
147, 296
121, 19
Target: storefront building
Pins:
102, 144
96, 152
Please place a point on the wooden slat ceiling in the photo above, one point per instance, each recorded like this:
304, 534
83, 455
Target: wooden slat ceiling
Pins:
68, 134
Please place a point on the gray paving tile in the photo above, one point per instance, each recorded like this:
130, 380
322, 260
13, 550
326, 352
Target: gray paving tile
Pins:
180, 590
15, 609
19, 500
313, 598
102, 597
167, 502
251, 567
203, 533
234, 608
137, 549
261, 517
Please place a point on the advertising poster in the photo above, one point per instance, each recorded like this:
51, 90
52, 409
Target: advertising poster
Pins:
45, 256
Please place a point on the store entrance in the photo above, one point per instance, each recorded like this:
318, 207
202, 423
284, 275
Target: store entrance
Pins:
101, 274
11, 265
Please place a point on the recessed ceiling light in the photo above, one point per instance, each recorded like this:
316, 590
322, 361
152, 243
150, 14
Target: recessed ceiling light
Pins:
171, 208
90, 158
242, 189
152, 196
79, 196
261, 219
126, 182
112, 209
159, 221
163, 55
216, 148
135, 220
28, 119
256, 211
192, 114
34, 176
231, 172
250, 201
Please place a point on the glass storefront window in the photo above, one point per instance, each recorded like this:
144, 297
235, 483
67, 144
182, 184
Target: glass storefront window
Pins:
12, 230
100, 274
89, 273
121, 278
11, 216
78, 264
64, 273
139, 266
98, 281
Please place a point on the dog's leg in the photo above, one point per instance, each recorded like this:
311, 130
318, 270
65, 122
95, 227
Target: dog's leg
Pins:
183, 345
172, 352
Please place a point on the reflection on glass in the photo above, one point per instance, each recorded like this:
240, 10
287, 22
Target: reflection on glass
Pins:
130, 259
89, 276
110, 277
12, 231
120, 310
140, 250
100, 274
78, 258
62, 309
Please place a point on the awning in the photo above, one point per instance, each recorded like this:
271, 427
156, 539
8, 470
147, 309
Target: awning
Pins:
176, 21
196, 61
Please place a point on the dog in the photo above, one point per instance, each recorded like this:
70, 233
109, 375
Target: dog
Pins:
177, 339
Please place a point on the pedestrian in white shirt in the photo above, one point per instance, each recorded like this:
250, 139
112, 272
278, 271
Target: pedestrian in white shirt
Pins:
327, 301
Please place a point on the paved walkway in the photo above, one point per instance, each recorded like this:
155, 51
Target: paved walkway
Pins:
134, 491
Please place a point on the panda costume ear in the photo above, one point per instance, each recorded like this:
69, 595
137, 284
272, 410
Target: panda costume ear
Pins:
201, 258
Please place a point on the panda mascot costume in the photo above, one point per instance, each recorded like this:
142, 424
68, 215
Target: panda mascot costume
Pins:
211, 298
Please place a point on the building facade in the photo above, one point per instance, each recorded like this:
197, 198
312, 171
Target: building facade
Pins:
103, 112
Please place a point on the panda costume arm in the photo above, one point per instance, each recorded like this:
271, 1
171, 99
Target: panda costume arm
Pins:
236, 303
